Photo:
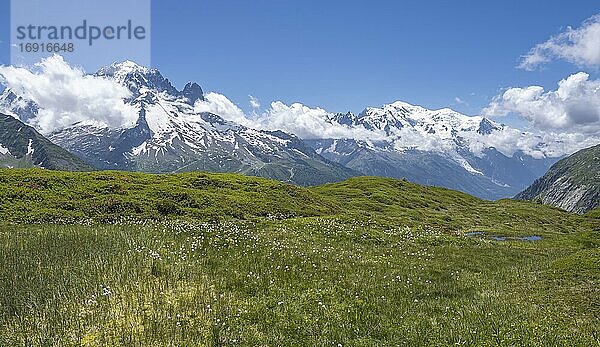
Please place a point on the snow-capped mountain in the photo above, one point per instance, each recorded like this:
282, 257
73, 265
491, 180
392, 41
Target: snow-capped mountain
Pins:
166, 132
170, 136
437, 147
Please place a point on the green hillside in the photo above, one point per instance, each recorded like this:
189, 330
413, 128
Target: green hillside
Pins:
572, 184
595, 213
42, 195
27, 148
114, 258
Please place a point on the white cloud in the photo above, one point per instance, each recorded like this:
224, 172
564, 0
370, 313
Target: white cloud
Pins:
220, 105
254, 102
574, 107
408, 138
65, 95
297, 119
579, 46
309, 123
538, 145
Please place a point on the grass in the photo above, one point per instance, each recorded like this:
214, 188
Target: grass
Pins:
40, 196
595, 213
365, 262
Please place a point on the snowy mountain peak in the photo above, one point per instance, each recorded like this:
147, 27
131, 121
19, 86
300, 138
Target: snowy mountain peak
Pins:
142, 81
348, 119
122, 69
405, 105
436, 147
136, 77
486, 126
399, 117
171, 135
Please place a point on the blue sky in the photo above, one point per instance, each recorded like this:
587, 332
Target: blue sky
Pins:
346, 55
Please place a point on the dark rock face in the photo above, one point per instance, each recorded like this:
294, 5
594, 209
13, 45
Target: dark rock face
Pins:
192, 92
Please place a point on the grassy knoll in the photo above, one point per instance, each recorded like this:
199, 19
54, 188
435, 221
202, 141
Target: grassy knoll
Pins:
214, 259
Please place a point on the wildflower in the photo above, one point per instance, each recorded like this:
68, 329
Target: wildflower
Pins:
106, 291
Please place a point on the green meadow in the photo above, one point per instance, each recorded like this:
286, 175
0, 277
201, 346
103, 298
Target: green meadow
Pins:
197, 259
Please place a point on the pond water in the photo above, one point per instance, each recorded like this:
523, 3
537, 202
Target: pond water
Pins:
530, 238
505, 238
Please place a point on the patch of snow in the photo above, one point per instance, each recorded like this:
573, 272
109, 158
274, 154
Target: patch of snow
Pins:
30, 149
467, 166
141, 149
299, 152
4, 150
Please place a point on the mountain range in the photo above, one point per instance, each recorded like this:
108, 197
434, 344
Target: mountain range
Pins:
169, 136
433, 147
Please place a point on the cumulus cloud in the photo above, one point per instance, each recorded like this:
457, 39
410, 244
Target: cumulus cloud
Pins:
220, 105
411, 139
563, 120
573, 107
309, 123
65, 95
297, 119
579, 46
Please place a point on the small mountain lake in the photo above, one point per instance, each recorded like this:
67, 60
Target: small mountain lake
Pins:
504, 238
